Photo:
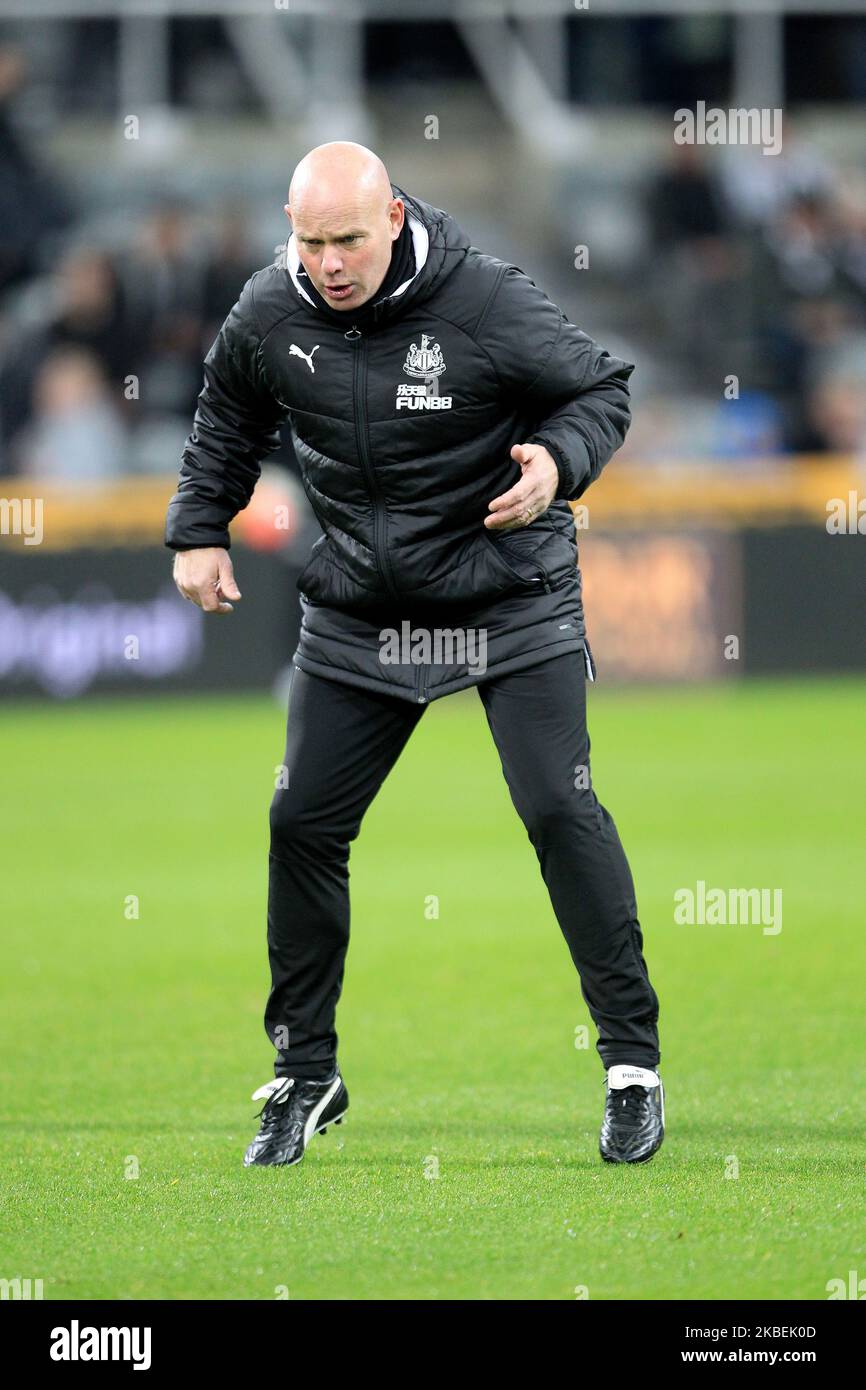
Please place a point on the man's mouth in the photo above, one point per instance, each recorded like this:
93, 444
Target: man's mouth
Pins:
338, 291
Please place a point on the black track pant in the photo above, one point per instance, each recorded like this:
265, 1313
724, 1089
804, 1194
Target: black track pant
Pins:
341, 743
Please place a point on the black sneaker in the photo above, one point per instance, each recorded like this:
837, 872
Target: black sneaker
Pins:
634, 1115
294, 1110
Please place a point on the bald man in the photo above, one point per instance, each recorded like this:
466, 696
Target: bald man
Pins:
443, 412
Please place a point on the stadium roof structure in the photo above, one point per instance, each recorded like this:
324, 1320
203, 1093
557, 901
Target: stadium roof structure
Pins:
310, 52
407, 11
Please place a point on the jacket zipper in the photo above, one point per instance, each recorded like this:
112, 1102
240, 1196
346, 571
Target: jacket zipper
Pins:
420, 691
359, 387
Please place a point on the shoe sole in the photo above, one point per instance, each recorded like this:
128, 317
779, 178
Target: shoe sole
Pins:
323, 1129
634, 1161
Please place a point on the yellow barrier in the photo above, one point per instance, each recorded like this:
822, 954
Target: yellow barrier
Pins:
737, 493
131, 512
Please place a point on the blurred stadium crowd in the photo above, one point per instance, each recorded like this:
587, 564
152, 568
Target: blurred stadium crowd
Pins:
737, 265
101, 346
754, 268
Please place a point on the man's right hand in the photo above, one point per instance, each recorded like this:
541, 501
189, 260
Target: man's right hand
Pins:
206, 577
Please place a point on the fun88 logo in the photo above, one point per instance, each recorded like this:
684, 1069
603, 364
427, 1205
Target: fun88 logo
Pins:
416, 398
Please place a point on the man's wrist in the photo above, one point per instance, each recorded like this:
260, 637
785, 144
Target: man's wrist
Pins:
180, 546
567, 482
575, 467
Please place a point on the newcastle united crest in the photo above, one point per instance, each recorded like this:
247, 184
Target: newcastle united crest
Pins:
424, 361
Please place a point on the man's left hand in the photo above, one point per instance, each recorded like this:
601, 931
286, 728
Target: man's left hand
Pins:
529, 498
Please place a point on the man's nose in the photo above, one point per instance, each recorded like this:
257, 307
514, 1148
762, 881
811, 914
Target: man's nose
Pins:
332, 262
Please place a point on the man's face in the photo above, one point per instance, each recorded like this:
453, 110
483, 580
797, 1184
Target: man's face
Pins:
345, 246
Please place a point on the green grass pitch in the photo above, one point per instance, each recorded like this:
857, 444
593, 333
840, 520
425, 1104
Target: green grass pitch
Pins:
468, 1166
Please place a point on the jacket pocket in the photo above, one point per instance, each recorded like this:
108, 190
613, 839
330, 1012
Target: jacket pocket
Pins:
305, 580
519, 557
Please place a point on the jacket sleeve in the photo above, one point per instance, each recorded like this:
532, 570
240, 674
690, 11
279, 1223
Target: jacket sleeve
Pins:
236, 425
575, 391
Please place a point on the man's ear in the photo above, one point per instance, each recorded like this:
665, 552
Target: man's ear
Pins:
288, 211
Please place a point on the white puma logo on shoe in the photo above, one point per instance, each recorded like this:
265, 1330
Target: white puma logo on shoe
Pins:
295, 351
621, 1075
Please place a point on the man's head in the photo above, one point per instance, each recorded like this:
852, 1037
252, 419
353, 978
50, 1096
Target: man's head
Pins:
345, 221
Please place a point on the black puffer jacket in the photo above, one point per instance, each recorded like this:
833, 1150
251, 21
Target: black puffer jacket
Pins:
402, 426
